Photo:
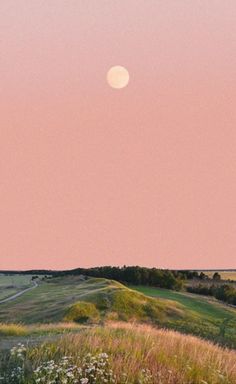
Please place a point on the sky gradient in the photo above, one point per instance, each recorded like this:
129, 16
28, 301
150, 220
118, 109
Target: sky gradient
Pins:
90, 175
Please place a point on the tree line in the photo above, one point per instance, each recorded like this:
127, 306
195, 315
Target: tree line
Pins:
136, 275
223, 292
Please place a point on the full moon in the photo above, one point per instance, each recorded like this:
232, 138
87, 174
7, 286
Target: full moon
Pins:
118, 77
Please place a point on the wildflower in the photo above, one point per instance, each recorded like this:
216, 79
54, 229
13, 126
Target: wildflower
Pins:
84, 380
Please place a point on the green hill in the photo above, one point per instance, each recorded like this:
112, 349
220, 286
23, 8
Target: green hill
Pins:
96, 300
92, 300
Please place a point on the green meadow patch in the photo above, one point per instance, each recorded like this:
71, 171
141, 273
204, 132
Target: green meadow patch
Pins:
208, 317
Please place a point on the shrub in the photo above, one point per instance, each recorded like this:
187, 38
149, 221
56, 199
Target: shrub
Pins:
127, 304
82, 312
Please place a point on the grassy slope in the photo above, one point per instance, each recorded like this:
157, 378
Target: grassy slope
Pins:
208, 314
51, 301
171, 357
196, 303
59, 299
9, 285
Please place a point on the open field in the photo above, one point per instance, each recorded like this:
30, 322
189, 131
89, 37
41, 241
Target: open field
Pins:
201, 305
210, 318
131, 354
225, 275
73, 316
73, 298
11, 284
97, 300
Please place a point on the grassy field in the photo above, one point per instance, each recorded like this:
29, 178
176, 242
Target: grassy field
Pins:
209, 318
121, 354
11, 284
200, 305
225, 275
64, 319
95, 301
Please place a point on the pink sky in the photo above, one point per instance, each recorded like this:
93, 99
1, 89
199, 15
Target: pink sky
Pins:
91, 175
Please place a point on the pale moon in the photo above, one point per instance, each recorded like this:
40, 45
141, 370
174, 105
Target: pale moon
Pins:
118, 77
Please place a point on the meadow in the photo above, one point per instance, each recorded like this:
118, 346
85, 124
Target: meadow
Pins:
121, 353
225, 275
94, 299
146, 333
202, 306
97, 300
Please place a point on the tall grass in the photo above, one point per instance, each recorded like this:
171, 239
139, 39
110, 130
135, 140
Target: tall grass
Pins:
170, 357
11, 329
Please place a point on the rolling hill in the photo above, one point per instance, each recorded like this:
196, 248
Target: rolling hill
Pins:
97, 300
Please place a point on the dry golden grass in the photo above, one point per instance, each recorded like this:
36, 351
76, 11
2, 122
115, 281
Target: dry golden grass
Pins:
52, 327
11, 329
171, 357
225, 275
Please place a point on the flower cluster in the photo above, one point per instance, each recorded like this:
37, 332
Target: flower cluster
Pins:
17, 362
145, 377
19, 351
92, 370
88, 369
